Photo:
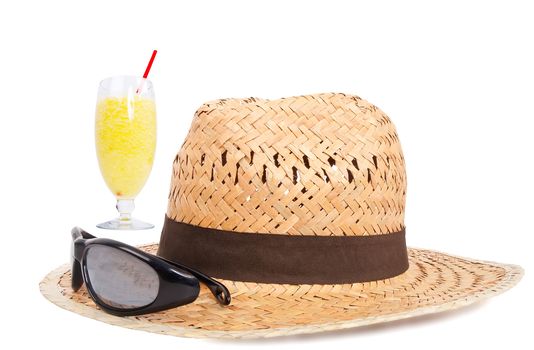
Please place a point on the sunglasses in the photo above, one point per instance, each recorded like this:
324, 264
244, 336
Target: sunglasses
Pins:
125, 281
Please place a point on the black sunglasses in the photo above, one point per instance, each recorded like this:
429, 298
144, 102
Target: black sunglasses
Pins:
125, 281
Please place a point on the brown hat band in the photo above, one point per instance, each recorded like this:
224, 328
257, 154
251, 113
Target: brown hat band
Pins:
276, 258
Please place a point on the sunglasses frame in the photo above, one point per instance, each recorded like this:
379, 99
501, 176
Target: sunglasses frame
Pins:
178, 284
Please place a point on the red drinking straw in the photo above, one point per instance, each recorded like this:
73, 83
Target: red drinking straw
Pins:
150, 63
147, 70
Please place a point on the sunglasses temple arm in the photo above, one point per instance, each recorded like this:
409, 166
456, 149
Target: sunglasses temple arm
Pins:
219, 290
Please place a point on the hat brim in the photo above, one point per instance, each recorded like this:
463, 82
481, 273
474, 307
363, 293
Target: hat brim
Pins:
434, 282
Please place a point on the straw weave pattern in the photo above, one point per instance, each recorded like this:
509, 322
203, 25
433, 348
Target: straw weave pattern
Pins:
434, 282
324, 164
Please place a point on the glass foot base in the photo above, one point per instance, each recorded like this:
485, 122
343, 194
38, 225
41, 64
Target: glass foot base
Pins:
132, 224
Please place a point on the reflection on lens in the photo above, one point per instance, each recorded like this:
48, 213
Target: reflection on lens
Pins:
119, 279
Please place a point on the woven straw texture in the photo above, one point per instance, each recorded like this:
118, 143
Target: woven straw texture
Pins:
325, 164
435, 282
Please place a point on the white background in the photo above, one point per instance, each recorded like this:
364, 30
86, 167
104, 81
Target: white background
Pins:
457, 79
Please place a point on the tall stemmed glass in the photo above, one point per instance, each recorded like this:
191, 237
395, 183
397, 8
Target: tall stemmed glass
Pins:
125, 136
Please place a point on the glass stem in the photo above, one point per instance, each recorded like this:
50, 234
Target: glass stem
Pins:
125, 208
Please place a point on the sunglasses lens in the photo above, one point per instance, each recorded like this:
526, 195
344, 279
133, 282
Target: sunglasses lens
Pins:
119, 279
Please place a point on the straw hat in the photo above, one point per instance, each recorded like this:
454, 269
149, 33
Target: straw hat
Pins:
297, 205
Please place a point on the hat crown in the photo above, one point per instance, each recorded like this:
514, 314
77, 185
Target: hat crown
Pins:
324, 164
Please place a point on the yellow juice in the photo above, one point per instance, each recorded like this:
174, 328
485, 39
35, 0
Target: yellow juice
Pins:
125, 132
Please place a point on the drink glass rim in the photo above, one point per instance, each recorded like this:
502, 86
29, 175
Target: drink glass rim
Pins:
135, 80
